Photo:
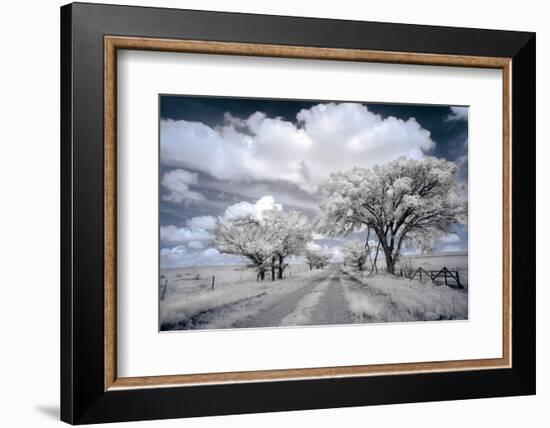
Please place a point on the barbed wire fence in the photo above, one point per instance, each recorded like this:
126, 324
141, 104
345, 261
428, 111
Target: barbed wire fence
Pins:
212, 281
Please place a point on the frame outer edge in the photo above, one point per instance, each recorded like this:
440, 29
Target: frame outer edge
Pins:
82, 394
240, 27
524, 219
66, 148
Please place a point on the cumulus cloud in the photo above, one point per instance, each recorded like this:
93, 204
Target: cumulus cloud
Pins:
170, 257
324, 138
196, 245
206, 222
199, 229
255, 210
177, 183
179, 256
457, 113
313, 246
174, 234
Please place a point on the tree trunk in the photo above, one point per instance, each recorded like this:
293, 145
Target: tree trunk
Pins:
374, 266
390, 265
376, 257
390, 259
273, 269
262, 275
281, 268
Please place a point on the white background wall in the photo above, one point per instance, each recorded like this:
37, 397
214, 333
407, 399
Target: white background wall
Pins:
29, 214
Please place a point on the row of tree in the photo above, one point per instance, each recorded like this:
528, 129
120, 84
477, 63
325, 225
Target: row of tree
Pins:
265, 242
316, 259
403, 201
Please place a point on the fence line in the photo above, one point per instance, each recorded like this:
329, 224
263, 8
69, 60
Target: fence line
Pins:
206, 282
434, 274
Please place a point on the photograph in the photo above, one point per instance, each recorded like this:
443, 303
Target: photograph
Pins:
278, 212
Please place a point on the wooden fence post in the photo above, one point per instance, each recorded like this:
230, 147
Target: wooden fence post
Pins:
445, 275
213, 281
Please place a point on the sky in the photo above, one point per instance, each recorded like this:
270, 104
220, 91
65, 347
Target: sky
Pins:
224, 157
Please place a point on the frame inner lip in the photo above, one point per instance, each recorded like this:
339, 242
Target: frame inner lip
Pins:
112, 43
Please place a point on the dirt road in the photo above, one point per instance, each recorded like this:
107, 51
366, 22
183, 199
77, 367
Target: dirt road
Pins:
319, 302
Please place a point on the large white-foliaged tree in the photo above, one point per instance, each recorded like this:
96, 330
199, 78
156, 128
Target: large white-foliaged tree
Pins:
397, 200
266, 240
290, 231
247, 237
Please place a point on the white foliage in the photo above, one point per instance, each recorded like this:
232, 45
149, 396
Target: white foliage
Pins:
291, 231
262, 232
354, 254
316, 258
245, 236
397, 200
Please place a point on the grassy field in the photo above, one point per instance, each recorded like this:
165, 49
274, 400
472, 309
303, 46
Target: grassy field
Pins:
335, 295
386, 298
188, 301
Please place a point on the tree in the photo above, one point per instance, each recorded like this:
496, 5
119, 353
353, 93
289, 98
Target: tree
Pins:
247, 237
324, 260
267, 241
370, 247
395, 200
311, 258
354, 254
425, 242
316, 259
290, 231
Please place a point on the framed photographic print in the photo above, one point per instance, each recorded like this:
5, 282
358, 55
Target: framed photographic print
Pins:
265, 213
229, 247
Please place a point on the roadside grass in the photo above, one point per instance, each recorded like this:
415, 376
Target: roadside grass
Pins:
387, 298
189, 306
